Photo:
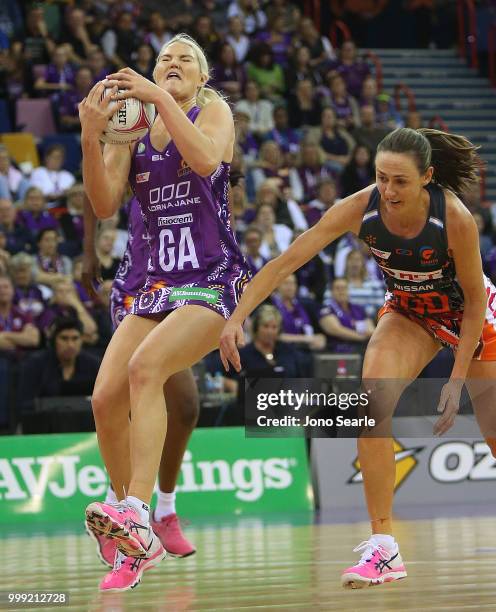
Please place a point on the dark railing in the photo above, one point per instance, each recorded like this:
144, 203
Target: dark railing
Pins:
341, 27
438, 123
491, 50
467, 35
378, 68
403, 88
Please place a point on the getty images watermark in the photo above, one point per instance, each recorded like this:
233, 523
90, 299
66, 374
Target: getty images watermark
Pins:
341, 408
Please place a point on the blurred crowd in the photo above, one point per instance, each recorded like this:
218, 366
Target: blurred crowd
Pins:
308, 117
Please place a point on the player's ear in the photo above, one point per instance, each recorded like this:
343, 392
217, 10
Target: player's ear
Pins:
427, 178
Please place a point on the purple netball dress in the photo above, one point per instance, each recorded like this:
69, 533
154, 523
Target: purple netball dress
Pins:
194, 257
131, 274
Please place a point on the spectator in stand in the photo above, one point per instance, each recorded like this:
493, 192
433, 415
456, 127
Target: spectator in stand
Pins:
304, 179
290, 13
485, 242
28, 297
67, 109
97, 63
321, 51
62, 369
304, 107
253, 17
66, 303
353, 69
363, 290
237, 38
287, 211
271, 164
17, 237
301, 70
50, 267
120, 43
259, 111
59, 74
33, 215
204, 33
71, 221
228, 75
266, 73
5, 257
386, 115
358, 173
76, 35
322, 203
51, 179
145, 61
335, 141
276, 236
346, 244
368, 95
158, 32
344, 105
101, 316
252, 243
12, 178
104, 246
414, 120
77, 278
245, 138
286, 137
296, 325
35, 45
278, 39
369, 133
17, 330
345, 324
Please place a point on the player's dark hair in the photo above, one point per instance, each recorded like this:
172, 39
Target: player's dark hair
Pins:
453, 157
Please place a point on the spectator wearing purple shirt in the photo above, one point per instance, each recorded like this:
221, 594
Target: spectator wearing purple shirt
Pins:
286, 137
28, 297
17, 236
252, 243
97, 63
50, 267
322, 203
59, 74
228, 75
335, 141
305, 179
66, 303
278, 40
17, 331
68, 103
296, 325
344, 105
353, 70
33, 215
346, 325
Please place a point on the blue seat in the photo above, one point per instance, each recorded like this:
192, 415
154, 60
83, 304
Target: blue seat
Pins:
5, 125
72, 145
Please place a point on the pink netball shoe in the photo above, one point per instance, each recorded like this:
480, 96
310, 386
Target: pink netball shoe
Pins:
127, 571
105, 548
169, 531
122, 523
376, 566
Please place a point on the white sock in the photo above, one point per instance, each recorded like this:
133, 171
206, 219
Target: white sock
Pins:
140, 506
166, 505
111, 497
386, 540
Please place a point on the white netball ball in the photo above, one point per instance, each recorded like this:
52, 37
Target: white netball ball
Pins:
129, 123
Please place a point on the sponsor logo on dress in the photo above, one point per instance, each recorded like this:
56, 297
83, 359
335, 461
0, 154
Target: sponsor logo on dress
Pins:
428, 256
175, 220
194, 293
160, 157
405, 252
416, 277
184, 169
141, 149
381, 254
143, 177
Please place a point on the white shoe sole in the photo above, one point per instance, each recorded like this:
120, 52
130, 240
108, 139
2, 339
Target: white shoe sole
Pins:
355, 581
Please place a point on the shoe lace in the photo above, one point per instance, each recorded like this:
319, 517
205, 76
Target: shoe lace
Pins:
369, 547
120, 506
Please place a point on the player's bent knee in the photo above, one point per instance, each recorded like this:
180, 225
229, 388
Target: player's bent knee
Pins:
186, 411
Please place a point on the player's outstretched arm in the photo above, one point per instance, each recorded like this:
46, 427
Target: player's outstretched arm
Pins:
104, 174
341, 218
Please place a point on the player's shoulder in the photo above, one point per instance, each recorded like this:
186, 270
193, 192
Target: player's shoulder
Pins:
217, 108
459, 220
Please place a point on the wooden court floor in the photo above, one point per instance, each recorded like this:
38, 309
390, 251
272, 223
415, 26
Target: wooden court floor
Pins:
259, 565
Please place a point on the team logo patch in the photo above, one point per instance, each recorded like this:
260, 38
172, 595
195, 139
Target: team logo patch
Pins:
381, 254
175, 220
143, 177
185, 169
194, 293
141, 149
427, 253
406, 252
